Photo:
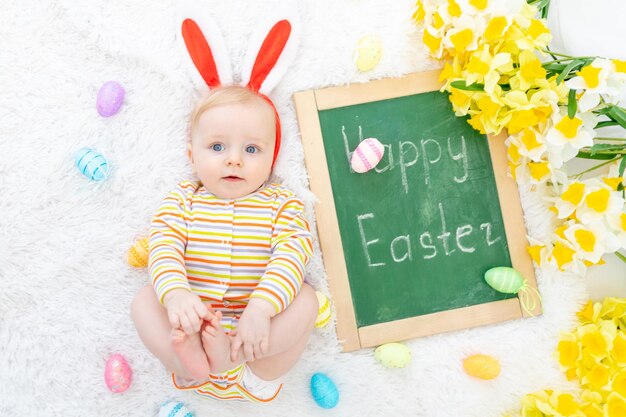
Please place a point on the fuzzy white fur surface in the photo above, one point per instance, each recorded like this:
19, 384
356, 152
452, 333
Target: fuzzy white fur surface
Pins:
65, 285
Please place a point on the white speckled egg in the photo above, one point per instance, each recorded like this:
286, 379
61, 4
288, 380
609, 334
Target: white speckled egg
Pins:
393, 355
367, 155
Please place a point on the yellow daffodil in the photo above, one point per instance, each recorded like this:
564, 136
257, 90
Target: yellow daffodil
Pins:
563, 255
463, 36
617, 222
568, 350
532, 144
600, 202
485, 68
597, 339
530, 71
570, 199
527, 109
615, 406
591, 242
589, 313
569, 135
592, 79
618, 354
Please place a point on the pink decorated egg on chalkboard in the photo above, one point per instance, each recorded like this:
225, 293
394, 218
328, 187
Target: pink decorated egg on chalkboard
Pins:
117, 373
367, 155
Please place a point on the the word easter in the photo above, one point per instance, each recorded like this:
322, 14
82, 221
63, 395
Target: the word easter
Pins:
404, 154
401, 248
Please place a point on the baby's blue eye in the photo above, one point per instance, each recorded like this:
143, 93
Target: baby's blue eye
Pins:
251, 149
217, 147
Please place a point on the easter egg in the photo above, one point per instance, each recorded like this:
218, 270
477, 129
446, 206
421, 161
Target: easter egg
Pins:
323, 313
92, 164
393, 355
367, 155
504, 279
117, 373
138, 253
324, 391
368, 52
174, 409
481, 366
110, 98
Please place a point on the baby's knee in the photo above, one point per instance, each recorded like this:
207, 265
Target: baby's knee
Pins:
309, 301
144, 297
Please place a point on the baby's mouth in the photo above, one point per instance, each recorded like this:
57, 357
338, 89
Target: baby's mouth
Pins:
232, 178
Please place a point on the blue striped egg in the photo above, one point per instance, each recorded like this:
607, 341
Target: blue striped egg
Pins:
174, 409
324, 391
92, 164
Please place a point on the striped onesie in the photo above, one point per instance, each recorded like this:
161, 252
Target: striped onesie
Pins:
230, 250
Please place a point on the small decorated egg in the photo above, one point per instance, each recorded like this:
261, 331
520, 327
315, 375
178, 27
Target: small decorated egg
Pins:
368, 52
367, 155
504, 279
324, 391
138, 253
323, 313
117, 373
174, 409
393, 355
482, 366
92, 164
110, 98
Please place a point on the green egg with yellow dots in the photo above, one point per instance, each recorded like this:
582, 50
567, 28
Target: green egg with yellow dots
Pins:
393, 355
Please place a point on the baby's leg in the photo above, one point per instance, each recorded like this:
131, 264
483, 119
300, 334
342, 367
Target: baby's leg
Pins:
289, 333
180, 353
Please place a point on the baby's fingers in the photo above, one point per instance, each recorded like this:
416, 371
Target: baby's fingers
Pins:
265, 346
174, 320
186, 324
234, 348
201, 309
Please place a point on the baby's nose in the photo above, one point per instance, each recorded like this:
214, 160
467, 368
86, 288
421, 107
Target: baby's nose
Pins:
234, 158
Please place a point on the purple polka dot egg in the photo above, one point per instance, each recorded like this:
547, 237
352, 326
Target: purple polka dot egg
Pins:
110, 98
117, 373
367, 155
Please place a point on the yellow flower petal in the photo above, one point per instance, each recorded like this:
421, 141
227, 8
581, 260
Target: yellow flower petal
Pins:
613, 182
615, 406
598, 377
454, 9
594, 343
520, 120
620, 66
419, 13
494, 29
535, 253
569, 127
619, 383
619, 350
437, 21
479, 4
562, 254
591, 75
586, 314
538, 170
461, 39
537, 28
566, 405
560, 231
598, 200
432, 42
574, 193
592, 410
586, 239
513, 153
476, 65
622, 218
529, 139
568, 353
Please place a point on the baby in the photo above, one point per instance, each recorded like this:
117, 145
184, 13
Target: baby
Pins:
228, 312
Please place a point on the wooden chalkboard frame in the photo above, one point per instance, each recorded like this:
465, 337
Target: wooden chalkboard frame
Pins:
308, 104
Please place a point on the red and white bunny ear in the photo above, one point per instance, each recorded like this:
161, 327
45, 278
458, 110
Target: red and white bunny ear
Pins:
203, 45
272, 48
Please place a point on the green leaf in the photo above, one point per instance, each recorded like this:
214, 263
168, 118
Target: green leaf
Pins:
606, 147
589, 155
618, 114
575, 63
606, 124
572, 104
554, 67
460, 84
622, 167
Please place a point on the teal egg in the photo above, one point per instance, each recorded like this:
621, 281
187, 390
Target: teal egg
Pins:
324, 391
504, 279
92, 164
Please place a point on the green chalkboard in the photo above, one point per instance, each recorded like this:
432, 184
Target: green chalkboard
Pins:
420, 230
406, 245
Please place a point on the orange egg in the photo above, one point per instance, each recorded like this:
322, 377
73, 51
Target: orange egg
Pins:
482, 366
138, 253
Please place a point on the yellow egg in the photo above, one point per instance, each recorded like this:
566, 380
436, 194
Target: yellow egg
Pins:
369, 51
393, 355
138, 253
482, 366
323, 313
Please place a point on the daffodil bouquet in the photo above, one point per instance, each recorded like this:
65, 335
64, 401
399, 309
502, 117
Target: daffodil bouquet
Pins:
501, 74
594, 355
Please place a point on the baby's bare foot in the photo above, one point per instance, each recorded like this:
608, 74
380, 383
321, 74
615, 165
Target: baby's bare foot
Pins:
190, 354
217, 345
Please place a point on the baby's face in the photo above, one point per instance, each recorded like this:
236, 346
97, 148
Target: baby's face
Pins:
232, 148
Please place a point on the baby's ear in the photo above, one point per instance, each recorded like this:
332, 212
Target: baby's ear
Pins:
272, 48
202, 46
190, 157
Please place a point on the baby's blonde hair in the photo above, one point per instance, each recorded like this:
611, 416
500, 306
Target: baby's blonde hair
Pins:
222, 96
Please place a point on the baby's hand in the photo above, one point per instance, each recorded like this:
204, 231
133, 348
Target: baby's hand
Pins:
253, 331
185, 310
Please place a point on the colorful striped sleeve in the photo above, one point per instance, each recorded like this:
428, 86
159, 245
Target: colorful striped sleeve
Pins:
168, 240
292, 247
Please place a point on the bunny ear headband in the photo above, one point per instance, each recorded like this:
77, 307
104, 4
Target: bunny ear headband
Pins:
272, 48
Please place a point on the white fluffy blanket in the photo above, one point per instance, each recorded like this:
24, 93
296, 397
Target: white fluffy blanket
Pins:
66, 286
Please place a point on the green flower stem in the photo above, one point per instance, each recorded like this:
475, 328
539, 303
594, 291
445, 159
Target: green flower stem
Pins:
593, 168
566, 56
613, 139
620, 256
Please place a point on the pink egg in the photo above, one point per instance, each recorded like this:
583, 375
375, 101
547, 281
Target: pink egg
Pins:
367, 155
110, 98
117, 373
